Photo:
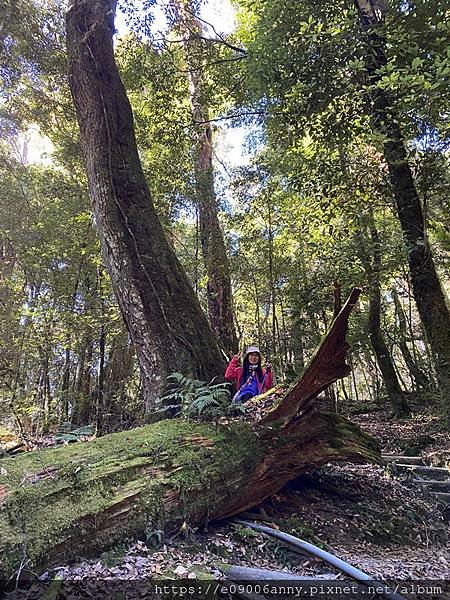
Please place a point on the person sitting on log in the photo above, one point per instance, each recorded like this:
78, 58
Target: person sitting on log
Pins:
251, 378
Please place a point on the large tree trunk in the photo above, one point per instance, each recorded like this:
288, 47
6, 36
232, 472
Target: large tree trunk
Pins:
165, 321
427, 290
220, 307
76, 500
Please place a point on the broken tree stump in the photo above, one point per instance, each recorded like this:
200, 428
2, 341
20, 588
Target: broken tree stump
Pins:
73, 501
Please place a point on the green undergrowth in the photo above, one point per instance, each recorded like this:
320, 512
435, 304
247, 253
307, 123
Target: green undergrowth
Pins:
58, 498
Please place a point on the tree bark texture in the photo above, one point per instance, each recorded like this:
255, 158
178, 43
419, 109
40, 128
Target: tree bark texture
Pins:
428, 293
219, 293
76, 500
166, 324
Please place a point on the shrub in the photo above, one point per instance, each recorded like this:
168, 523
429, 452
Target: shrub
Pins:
195, 398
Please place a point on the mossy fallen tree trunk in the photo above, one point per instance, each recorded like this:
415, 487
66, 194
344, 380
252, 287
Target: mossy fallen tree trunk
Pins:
73, 501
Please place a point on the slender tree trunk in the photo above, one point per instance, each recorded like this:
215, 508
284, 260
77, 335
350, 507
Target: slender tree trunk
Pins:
397, 367
43, 392
355, 385
119, 370
376, 372
214, 251
373, 269
337, 295
369, 386
275, 351
344, 390
78, 386
418, 376
409, 319
8, 260
166, 324
100, 391
257, 306
297, 336
298, 349
42, 397
65, 382
10, 359
283, 326
84, 409
384, 359
47, 396
428, 293
64, 410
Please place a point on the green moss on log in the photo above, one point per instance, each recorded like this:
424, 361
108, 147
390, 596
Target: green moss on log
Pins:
342, 431
60, 504
85, 495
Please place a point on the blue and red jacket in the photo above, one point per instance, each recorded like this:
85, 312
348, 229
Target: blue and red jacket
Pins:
234, 373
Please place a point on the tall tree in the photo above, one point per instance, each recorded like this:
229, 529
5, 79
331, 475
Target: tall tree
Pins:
372, 265
422, 382
428, 293
214, 251
165, 321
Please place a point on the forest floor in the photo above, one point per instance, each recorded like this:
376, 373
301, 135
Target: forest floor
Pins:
381, 524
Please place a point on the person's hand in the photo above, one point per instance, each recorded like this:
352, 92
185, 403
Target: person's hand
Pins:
268, 366
238, 356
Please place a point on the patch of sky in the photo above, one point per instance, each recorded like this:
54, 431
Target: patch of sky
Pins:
234, 144
430, 140
218, 17
33, 147
406, 7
